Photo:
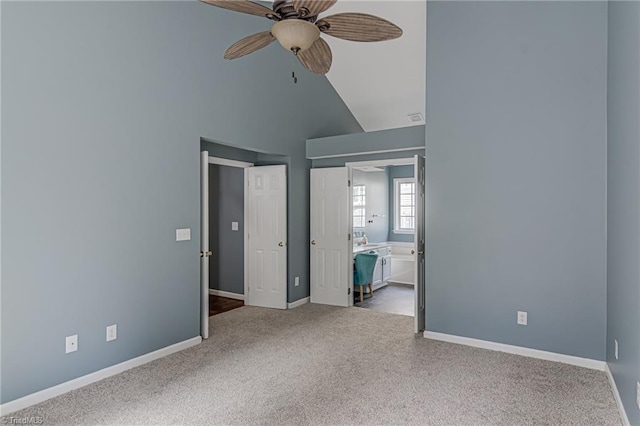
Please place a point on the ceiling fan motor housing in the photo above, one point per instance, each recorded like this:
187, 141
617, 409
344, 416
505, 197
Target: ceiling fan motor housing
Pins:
286, 10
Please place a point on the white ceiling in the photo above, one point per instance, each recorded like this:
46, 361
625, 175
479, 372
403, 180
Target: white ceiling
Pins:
382, 83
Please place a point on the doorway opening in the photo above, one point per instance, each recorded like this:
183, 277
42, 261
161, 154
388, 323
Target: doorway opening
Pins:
243, 233
383, 229
367, 236
226, 234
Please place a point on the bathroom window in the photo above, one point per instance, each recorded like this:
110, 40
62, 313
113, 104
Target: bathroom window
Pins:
359, 206
405, 209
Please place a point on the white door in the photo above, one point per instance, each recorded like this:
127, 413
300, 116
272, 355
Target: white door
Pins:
331, 246
204, 244
266, 236
419, 246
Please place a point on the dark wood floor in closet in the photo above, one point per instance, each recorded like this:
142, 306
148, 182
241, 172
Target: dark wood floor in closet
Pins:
218, 305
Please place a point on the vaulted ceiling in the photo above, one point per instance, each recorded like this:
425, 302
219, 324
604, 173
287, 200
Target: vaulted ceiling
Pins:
382, 83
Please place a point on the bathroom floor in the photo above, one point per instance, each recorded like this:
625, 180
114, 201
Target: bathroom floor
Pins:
392, 299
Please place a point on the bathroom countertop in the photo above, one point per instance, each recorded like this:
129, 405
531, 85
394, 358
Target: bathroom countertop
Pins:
369, 247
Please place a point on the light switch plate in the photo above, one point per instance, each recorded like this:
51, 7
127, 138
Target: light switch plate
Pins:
234, 226
183, 234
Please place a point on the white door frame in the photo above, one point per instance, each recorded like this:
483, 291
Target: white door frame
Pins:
409, 161
204, 244
204, 236
231, 163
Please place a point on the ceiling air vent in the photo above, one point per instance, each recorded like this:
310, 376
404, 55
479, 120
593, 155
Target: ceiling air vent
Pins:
416, 117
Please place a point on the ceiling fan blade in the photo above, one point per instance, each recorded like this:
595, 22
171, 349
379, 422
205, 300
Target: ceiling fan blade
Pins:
249, 45
317, 58
313, 7
359, 27
243, 6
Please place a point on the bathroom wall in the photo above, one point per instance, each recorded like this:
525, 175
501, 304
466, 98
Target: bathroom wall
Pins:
377, 203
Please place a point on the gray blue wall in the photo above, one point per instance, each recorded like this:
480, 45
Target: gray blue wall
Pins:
385, 143
396, 172
377, 203
226, 205
623, 215
103, 108
516, 172
341, 161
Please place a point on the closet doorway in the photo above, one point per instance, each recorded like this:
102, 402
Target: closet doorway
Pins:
226, 234
243, 235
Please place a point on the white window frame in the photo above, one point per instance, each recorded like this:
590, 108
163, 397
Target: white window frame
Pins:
364, 206
396, 205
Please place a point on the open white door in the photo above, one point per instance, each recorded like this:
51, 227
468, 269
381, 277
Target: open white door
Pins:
266, 236
331, 246
204, 244
419, 238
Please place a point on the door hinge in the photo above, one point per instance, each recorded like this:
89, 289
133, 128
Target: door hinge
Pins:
348, 237
348, 291
348, 182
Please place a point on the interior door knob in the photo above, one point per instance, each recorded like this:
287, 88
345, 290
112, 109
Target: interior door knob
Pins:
281, 244
413, 252
313, 242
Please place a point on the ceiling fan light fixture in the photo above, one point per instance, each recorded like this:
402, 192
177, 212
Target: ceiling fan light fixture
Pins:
295, 35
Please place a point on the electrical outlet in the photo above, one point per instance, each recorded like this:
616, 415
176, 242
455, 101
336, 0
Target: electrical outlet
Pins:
234, 226
112, 332
522, 318
71, 343
296, 281
615, 341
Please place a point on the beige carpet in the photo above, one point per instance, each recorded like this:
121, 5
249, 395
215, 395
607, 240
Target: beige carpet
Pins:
326, 365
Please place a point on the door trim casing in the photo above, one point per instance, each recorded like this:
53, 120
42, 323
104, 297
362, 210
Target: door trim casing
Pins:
204, 233
413, 161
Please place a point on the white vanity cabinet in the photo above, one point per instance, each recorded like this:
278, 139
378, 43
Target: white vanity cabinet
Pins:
382, 271
386, 268
377, 274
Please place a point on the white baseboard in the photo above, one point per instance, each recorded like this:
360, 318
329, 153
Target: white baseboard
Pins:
298, 303
227, 294
407, 283
518, 350
616, 395
62, 388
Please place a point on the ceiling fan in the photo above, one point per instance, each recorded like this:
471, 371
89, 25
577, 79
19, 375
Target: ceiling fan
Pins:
298, 29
